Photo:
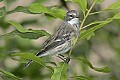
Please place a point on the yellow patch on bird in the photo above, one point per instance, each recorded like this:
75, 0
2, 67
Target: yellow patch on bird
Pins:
74, 40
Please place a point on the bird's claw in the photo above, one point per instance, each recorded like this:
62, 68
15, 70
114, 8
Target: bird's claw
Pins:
65, 59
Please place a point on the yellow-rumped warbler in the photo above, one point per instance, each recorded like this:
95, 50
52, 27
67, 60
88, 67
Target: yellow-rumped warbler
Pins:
63, 39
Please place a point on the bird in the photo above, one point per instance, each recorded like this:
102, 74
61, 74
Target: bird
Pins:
63, 38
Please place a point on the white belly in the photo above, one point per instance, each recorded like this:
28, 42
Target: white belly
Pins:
58, 50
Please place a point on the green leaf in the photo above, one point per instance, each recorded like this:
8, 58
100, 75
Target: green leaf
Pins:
10, 75
31, 34
55, 12
38, 8
60, 72
83, 32
2, 12
22, 32
117, 16
99, 1
2, 9
90, 35
39, 33
82, 77
19, 60
115, 5
58, 13
18, 26
19, 9
103, 69
30, 56
82, 4
90, 32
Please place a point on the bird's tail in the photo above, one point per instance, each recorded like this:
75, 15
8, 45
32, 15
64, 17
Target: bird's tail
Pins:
38, 54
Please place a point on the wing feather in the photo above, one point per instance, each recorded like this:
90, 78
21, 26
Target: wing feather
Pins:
61, 35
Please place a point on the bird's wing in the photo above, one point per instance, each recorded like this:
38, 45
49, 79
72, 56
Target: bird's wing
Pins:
51, 38
48, 41
62, 34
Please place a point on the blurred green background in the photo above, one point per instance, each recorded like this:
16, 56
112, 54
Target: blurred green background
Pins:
102, 49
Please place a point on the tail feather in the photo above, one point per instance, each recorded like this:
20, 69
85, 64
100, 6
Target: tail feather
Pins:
40, 53
28, 63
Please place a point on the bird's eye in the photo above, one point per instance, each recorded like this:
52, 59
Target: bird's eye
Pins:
71, 15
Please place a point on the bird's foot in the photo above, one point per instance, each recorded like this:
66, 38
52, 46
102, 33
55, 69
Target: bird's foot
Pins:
65, 59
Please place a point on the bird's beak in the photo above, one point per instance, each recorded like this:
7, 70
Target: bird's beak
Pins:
78, 17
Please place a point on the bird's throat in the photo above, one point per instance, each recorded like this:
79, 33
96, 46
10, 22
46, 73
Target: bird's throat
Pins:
74, 21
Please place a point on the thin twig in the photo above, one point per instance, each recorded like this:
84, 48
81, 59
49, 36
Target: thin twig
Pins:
96, 12
87, 14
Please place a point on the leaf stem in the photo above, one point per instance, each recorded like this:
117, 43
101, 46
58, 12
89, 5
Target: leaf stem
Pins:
91, 24
87, 14
96, 12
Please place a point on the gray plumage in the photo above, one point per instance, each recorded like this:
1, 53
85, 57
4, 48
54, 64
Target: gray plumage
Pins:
62, 40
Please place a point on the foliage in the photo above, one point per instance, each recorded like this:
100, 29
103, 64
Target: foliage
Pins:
104, 69
82, 4
32, 57
59, 71
10, 75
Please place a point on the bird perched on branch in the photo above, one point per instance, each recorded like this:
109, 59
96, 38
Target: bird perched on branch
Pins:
64, 37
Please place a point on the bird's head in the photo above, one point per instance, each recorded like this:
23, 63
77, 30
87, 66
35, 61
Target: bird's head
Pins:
72, 17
